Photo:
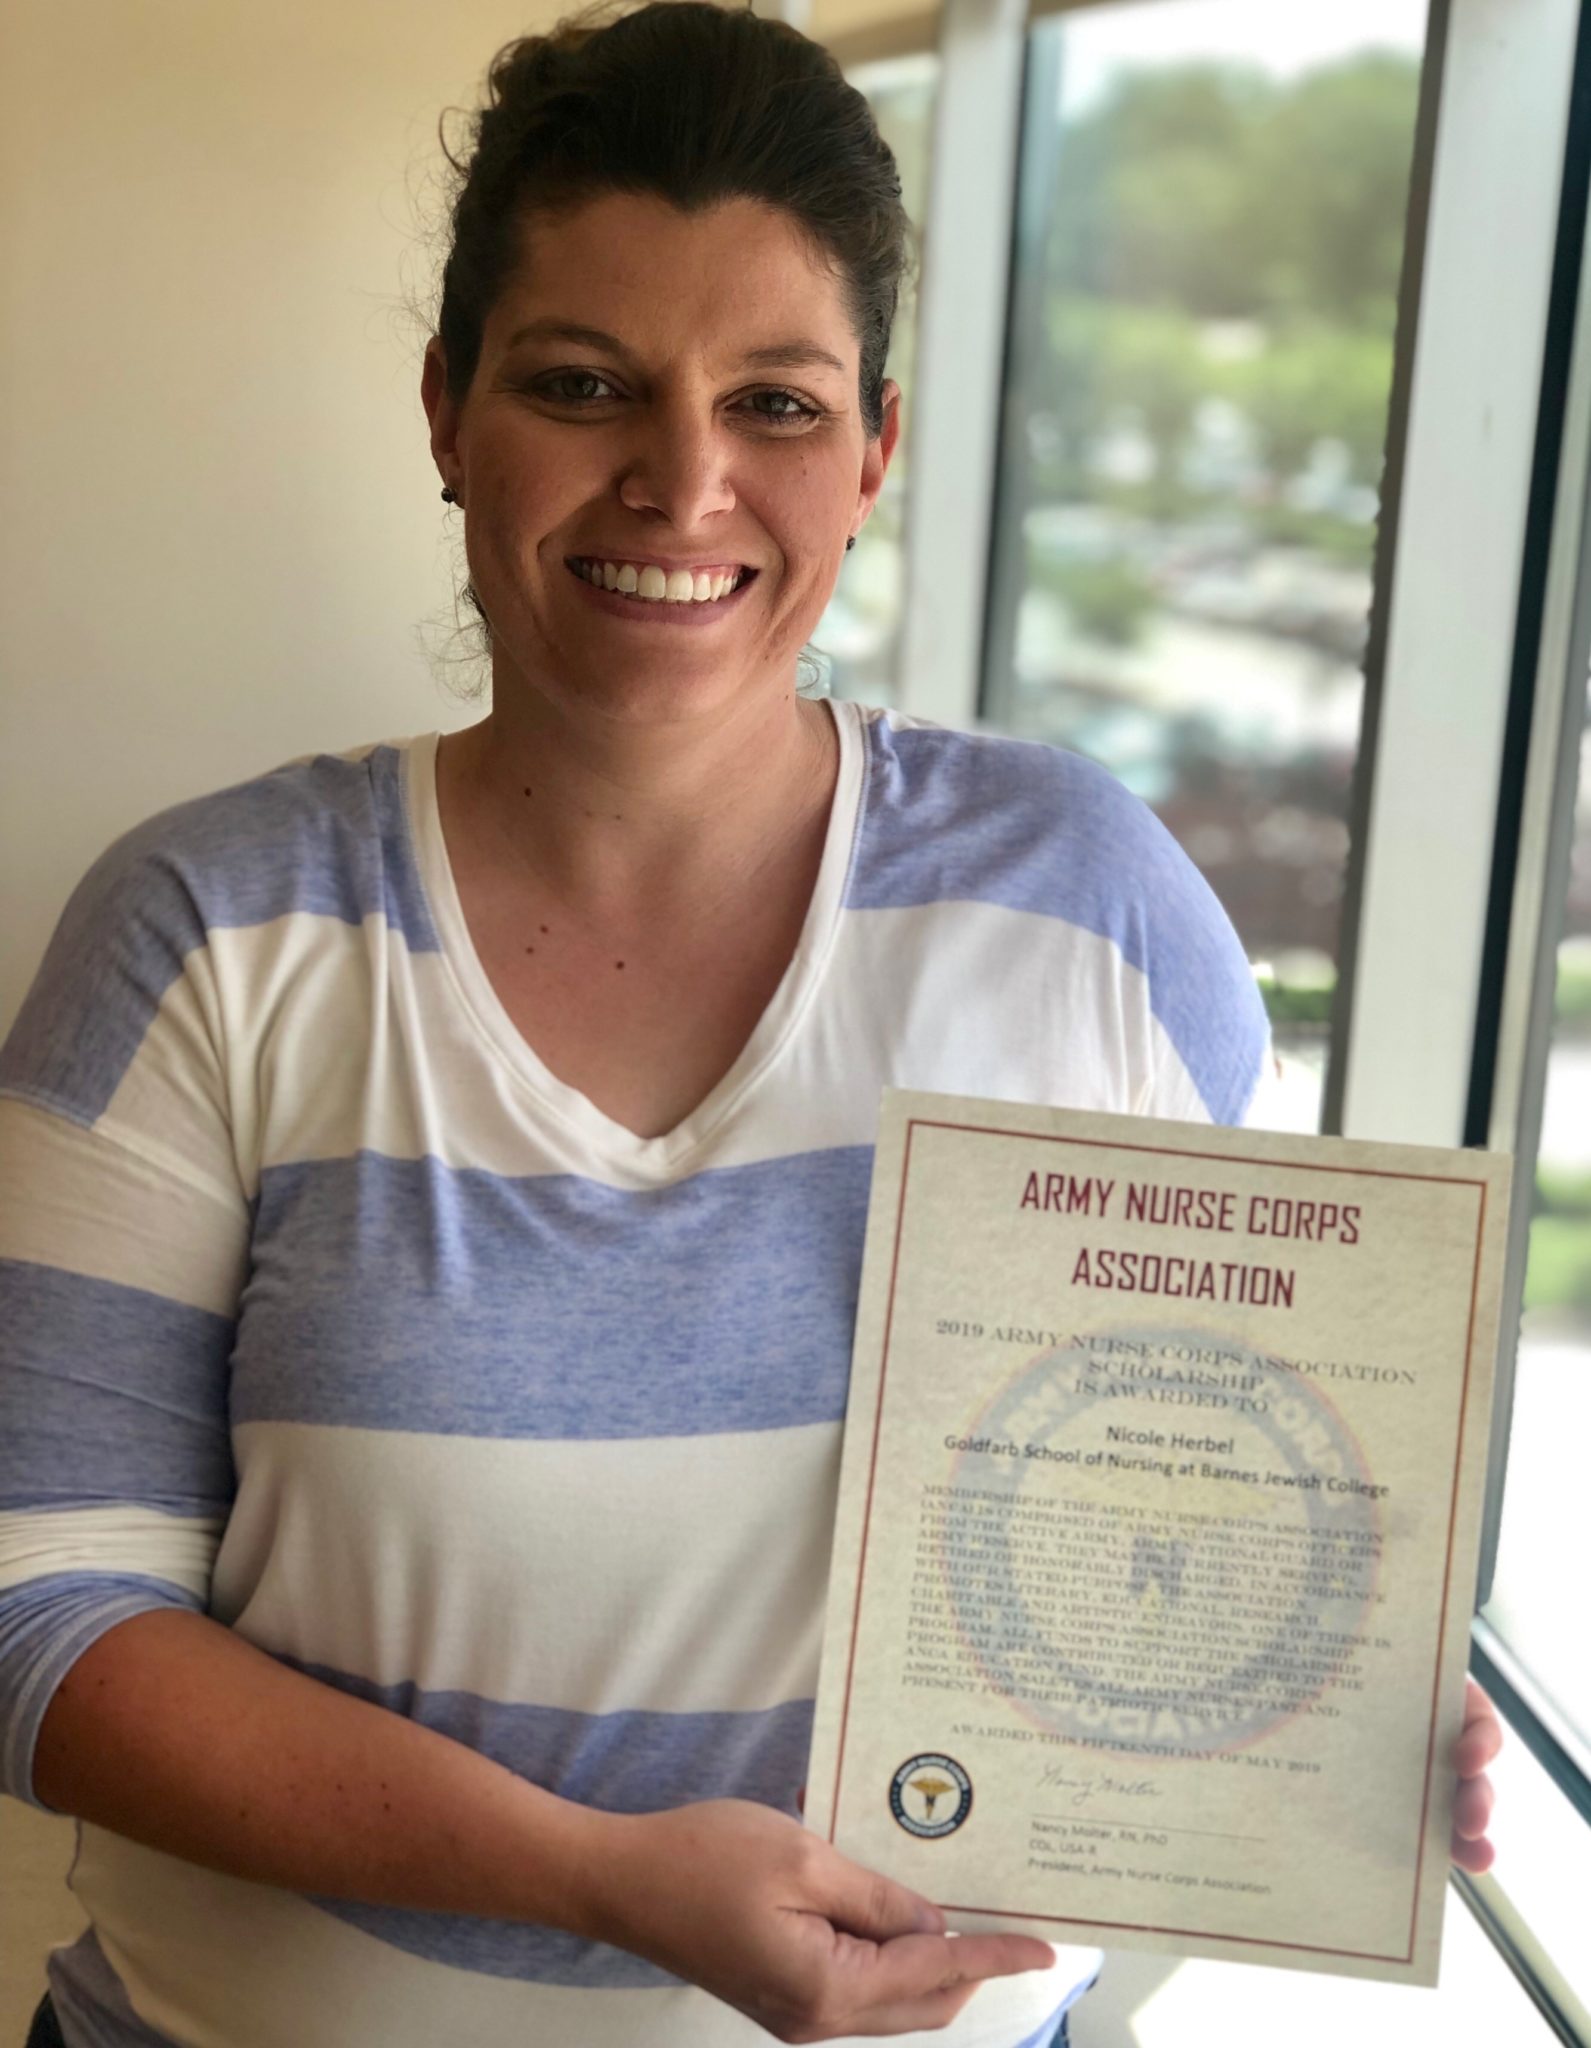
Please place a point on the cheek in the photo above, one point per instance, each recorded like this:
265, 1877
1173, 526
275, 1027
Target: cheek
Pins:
520, 483
506, 523
809, 509
535, 492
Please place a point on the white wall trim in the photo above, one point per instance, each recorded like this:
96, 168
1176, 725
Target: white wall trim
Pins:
960, 356
1489, 249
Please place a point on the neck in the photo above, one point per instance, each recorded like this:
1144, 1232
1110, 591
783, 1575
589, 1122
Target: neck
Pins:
613, 815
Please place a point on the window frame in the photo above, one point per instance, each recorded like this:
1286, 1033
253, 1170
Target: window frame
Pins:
1486, 492
1451, 675
962, 327
1536, 821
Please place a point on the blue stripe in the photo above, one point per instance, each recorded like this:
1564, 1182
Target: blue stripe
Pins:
405, 1294
619, 1763
109, 1394
45, 1626
326, 836
962, 817
93, 2005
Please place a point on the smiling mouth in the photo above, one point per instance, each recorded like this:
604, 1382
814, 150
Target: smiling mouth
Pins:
646, 583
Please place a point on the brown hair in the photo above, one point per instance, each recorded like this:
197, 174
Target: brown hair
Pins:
693, 103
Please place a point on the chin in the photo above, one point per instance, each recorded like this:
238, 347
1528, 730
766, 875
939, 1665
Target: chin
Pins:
661, 691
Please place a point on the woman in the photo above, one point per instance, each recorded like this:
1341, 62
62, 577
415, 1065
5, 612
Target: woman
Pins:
435, 1176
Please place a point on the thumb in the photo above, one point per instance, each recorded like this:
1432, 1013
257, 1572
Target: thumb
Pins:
862, 1902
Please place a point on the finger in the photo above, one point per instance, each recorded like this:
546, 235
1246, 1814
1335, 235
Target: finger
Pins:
914, 2015
1474, 1856
1482, 1735
1472, 1808
920, 1981
997, 1955
919, 1966
864, 1903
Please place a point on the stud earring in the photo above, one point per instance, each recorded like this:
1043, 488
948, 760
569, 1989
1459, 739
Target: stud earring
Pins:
851, 543
448, 495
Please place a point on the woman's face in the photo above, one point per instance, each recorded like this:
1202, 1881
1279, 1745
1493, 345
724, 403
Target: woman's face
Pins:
659, 395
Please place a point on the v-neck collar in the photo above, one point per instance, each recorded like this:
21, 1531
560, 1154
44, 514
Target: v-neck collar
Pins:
643, 1159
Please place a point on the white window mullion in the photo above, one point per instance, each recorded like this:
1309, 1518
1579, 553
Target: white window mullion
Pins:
1495, 180
960, 355
798, 13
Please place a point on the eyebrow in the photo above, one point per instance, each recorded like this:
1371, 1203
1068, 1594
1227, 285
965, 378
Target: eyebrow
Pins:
779, 355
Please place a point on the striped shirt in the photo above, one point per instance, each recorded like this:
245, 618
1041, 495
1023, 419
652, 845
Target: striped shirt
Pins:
327, 1310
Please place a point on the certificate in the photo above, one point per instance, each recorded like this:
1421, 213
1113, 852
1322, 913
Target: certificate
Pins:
1157, 1532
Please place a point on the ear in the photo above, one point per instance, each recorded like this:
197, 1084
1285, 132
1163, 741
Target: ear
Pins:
443, 415
876, 455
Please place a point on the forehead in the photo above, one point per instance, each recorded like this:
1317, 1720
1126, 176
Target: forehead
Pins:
720, 282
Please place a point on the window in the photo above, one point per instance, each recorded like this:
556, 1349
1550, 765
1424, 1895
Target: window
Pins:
1210, 237
1194, 376
1538, 1600
859, 633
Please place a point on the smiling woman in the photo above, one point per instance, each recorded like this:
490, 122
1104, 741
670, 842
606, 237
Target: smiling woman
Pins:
620, 413
724, 214
459, 1151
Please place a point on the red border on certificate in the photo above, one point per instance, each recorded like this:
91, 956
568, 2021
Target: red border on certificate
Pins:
1225, 1158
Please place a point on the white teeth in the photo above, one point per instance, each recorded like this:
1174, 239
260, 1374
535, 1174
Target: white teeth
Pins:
675, 586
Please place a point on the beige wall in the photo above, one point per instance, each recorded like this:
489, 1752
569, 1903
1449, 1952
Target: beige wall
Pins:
220, 535
219, 525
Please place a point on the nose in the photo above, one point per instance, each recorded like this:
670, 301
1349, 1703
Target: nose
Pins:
678, 465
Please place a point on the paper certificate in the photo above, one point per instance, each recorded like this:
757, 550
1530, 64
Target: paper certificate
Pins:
1157, 1533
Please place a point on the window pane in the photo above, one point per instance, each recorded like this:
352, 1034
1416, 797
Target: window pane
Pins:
1538, 1602
1210, 239
1543, 1861
859, 633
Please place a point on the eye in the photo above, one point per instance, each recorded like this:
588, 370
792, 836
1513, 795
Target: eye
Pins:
547, 386
578, 388
784, 408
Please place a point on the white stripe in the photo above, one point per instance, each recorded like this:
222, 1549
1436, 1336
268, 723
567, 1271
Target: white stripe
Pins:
977, 999
456, 1562
88, 1202
178, 1548
967, 998
172, 1103
1272, 1107
362, 1045
220, 1963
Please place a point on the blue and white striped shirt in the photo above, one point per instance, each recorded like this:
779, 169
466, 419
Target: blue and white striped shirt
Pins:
327, 1310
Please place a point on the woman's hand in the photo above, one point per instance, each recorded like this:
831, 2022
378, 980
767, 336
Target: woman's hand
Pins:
745, 1902
1472, 1808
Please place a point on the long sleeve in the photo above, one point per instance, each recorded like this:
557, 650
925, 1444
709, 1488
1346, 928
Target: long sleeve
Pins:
123, 1240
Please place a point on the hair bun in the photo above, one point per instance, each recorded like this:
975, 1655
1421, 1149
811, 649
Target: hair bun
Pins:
693, 103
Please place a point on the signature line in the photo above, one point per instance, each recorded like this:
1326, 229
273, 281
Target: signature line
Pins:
1154, 1827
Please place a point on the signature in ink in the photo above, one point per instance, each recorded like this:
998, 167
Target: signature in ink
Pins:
1080, 1790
